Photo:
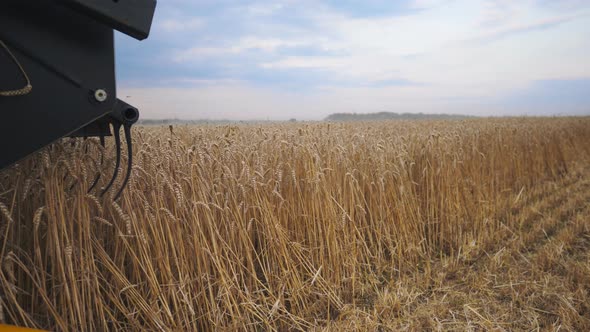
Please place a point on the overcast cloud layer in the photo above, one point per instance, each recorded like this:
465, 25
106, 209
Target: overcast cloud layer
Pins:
223, 59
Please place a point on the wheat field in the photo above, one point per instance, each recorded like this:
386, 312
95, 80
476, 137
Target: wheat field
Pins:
479, 224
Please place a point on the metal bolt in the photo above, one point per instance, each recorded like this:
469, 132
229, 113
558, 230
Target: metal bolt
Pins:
100, 95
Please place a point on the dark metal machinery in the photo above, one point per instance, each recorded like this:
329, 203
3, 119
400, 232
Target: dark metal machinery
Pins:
57, 72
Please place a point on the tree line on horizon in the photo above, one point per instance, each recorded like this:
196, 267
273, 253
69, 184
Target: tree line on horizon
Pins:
393, 116
332, 117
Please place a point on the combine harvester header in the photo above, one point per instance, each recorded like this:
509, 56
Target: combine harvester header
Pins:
57, 73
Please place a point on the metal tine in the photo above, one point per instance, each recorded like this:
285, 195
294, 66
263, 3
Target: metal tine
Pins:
117, 129
97, 178
127, 130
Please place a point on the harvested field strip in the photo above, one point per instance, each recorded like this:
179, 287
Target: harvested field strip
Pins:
538, 280
544, 221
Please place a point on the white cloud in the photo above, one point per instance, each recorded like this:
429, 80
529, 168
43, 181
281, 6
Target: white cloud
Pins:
510, 29
458, 50
178, 25
498, 12
265, 44
423, 4
310, 62
199, 53
264, 9
535, 47
269, 45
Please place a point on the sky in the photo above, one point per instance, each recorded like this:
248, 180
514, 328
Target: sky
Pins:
306, 59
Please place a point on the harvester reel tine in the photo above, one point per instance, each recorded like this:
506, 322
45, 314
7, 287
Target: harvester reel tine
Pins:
98, 174
127, 130
117, 129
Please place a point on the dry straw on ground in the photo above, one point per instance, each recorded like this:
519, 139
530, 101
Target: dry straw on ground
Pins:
479, 224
